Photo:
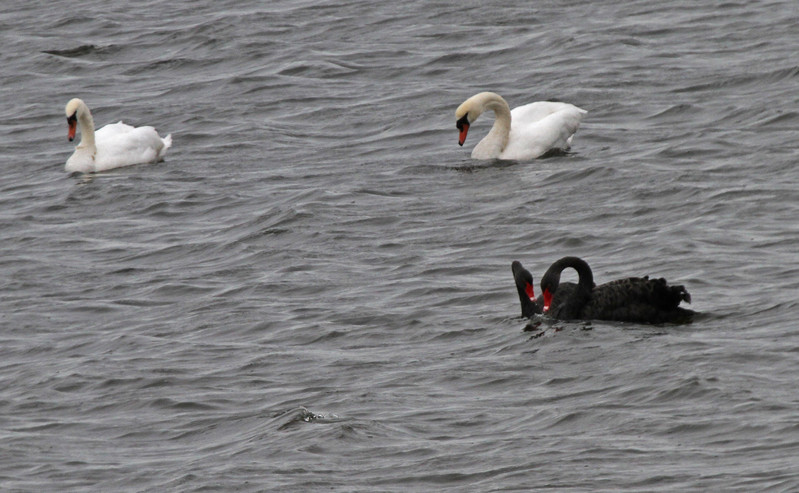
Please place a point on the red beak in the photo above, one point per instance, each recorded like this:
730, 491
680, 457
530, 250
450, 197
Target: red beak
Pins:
464, 131
547, 300
73, 126
529, 291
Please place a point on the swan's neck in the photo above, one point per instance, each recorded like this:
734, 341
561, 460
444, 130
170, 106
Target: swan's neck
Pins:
586, 277
496, 141
526, 297
552, 276
501, 129
86, 123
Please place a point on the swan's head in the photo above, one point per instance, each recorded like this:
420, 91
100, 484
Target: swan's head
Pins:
549, 284
473, 107
464, 116
74, 110
524, 280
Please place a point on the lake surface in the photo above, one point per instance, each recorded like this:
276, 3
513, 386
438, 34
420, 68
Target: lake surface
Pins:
313, 291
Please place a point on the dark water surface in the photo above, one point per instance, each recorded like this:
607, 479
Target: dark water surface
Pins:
313, 291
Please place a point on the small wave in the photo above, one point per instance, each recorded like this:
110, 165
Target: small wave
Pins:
748, 79
84, 50
319, 70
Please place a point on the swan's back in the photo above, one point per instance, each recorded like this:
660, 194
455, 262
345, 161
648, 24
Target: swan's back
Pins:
539, 110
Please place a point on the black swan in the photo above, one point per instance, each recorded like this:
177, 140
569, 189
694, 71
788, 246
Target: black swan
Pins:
635, 299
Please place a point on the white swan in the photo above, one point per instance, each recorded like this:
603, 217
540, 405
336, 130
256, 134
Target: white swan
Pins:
112, 146
527, 132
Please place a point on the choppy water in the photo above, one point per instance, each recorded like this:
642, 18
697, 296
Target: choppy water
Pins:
313, 291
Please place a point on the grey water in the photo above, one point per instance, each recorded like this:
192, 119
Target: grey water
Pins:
313, 291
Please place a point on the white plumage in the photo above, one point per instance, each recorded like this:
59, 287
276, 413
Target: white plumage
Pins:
113, 146
527, 132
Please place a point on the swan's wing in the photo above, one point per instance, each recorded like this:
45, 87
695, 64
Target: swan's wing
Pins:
638, 299
139, 140
656, 292
540, 127
119, 144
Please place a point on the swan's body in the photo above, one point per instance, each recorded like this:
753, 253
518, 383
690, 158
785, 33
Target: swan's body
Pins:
635, 299
112, 146
527, 132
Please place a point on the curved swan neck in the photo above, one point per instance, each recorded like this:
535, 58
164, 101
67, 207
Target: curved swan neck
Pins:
551, 279
524, 286
496, 141
501, 129
76, 109
86, 123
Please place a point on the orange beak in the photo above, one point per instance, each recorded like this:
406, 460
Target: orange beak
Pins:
464, 131
547, 300
73, 126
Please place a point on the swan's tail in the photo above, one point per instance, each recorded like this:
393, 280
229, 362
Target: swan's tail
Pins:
167, 144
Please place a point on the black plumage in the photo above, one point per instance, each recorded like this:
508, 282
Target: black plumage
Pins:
524, 285
635, 299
